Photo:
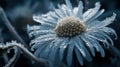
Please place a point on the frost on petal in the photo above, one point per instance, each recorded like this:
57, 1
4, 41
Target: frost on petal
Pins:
88, 44
80, 10
97, 46
70, 52
39, 50
40, 33
69, 5
109, 31
100, 37
63, 46
59, 13
91, 12
41, 40
91, 22
65, 10
107, 21
107, 37
75, 10
82, 49
79, 57
54, 50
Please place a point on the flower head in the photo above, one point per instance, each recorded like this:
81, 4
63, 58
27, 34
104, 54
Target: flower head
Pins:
68, 29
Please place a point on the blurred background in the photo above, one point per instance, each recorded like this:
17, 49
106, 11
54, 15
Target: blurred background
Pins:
20, 12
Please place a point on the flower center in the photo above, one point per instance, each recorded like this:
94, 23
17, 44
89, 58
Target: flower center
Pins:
69, 27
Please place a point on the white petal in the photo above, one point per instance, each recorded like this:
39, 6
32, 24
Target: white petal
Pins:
59, 13
80, 10
92, 25
49, 49
109, 31
97, 15
75, 10
88, 44
69, 5
40, 40
70, 52
39, 50
92, 22
84, 52
97, 46
107, 37
100, 38
100, 34
91, 12
44, 37
35, 27
63, 9
52, 54
63, 46
40, 33
107, 21
79, 57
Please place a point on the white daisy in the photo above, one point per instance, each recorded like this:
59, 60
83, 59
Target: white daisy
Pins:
68, 29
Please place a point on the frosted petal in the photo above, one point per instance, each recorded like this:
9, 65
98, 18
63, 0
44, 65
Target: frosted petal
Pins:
70, 52
109, 31
91, 12
69, 5
54, 50
84, 52
100, 34
48, 49
40, 33
44, 37
75, 10
79, 57
107, 21
80, 9
97, 46
107, 37
96, 15
40, 40
66, 12
88, 44
59, 13
39, 50
100, 38
63, 46
92, 22
31, 28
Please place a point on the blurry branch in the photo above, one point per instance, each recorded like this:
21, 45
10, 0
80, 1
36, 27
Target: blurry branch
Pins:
113, 51
23, 49
10, 27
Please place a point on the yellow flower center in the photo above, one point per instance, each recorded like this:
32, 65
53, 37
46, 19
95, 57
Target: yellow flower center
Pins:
69, 27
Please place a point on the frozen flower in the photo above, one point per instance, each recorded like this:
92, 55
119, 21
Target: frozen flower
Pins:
67, 30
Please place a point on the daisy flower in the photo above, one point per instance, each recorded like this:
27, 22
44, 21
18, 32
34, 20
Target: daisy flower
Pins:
66, 30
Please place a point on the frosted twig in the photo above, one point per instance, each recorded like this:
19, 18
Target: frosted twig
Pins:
24, 50
14, 59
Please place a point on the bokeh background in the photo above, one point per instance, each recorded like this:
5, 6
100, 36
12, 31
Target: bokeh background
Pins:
20, 12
